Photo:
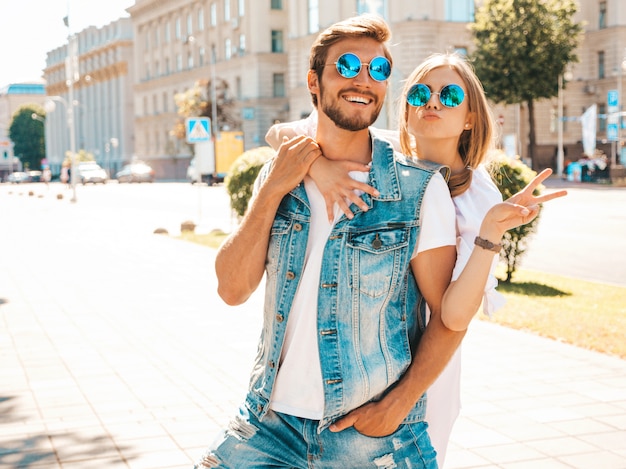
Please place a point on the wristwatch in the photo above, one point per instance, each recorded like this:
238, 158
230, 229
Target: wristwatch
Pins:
488, 245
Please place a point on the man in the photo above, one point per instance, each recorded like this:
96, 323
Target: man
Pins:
339, 377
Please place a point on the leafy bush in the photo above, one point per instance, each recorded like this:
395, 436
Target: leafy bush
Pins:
511, 176
242, 174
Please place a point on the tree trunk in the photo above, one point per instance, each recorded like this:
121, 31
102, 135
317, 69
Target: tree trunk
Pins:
531, 134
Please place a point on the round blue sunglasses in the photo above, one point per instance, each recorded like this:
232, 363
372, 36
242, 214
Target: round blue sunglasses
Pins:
450, 95
349, 66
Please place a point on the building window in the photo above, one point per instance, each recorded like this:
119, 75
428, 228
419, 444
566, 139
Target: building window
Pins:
279, 85
277, 41
241, 7
378, 7
601, 65
189, 60
179, 62
201, 19
226, 10
602, 15
460, 10
213, 14
461, 50
156, 36
238, 90
201, 56
155, 106
242, 44
166, 33
189, 24
228, 48
157, 68
314, 16
167, 66
147, 75
146, 44
277, 4
165, 102
177, 31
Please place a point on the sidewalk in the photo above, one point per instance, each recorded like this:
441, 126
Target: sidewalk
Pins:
115, 352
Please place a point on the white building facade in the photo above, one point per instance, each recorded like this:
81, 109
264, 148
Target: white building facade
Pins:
102, 97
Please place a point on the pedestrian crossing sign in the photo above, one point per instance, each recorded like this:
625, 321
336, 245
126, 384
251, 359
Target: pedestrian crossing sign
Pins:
198, 129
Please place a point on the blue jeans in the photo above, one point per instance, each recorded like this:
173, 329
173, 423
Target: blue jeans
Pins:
284, 441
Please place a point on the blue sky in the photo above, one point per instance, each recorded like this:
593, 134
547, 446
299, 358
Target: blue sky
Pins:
31, 28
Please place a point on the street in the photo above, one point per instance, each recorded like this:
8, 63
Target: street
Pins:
582, 235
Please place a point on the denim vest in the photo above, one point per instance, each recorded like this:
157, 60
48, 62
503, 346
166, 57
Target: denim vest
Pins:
370, 311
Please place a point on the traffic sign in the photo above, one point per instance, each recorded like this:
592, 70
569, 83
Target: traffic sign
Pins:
611, 97
198, 129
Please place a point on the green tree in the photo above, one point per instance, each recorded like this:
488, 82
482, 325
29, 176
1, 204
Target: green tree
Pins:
522, 46
27, 134
511, 176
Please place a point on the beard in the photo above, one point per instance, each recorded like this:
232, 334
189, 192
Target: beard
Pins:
353, 123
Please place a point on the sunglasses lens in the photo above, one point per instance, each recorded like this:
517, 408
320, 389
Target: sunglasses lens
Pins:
380, 68
451, 95
348, 65
418, 95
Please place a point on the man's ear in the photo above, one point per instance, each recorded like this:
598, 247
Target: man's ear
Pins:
313, 82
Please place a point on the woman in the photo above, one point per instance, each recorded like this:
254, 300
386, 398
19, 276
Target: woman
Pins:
444, 118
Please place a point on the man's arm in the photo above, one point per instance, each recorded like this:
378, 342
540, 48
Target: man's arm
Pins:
240, 261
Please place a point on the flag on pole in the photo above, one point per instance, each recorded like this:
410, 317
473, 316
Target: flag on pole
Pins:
588, 121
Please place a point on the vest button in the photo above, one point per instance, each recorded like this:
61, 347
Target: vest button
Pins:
280, 318
290, 275
377, 243
271, 364
297, 227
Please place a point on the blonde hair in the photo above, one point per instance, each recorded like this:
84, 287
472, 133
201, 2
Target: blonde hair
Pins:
365, 25
474, 143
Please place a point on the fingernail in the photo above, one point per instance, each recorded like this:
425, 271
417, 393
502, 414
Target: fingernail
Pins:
525, 211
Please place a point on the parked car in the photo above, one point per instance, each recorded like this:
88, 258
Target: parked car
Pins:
35, 176
135, 172
18, 177
91, 172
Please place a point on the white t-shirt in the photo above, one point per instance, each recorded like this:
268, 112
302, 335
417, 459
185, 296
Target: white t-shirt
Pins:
298, 389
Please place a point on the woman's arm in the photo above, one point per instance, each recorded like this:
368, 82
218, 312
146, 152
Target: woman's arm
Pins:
463, 297
331, 177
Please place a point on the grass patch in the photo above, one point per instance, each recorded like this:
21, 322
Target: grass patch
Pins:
212, 239
587, 314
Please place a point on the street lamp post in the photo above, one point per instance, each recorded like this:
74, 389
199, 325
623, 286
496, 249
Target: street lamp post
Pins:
560, 154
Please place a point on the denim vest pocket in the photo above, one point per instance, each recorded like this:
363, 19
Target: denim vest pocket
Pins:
376, 258
278, 237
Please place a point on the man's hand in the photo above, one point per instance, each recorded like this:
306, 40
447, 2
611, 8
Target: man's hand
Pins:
292, 162
375, 419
